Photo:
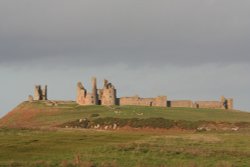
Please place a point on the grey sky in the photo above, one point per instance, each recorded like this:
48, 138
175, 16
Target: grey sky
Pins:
184, 49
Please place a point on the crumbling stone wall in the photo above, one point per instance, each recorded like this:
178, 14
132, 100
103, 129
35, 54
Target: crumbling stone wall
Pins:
209, 104
180, 103
84, 98
224, 103
161, 101
136, 100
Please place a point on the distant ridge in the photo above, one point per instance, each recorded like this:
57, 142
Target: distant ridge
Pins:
50, 114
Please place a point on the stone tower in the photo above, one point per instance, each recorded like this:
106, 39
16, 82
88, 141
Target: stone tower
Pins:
227, 103
44, 93
108, 94
39, 93
94, 91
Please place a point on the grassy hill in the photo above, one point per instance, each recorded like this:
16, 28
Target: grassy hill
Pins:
75, 147
43, 114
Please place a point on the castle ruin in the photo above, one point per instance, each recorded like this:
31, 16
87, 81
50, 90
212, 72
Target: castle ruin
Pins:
104, 96
107, 96
40, 93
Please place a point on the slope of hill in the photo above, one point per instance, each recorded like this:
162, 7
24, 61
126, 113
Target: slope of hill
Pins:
52, 147
51, 114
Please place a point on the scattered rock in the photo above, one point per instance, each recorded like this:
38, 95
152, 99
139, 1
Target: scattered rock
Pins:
235, 128
97, 126
117, 112
115, 126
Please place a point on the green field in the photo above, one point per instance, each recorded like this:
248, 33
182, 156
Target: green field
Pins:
29, 136
120, 148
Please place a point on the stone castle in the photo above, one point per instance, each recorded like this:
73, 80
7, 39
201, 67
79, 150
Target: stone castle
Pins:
107, 96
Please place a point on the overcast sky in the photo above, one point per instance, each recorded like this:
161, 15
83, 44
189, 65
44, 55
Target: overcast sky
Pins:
183, 49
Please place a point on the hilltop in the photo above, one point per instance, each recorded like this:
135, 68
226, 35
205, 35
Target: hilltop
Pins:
49, 114
49, 133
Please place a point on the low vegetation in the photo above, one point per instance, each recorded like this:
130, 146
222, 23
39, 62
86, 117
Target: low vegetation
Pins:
68, 135
110, 123
123, 148
38, 114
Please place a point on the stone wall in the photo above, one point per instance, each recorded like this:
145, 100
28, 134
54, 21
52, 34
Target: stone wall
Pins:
180, 103
209, 104
161, 101
136, 100
224, 103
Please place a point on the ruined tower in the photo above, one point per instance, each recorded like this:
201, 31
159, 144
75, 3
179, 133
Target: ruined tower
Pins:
108, 94
105, 96
39, 93
44, 93
85, 98
227, 103
94, 91
81, 93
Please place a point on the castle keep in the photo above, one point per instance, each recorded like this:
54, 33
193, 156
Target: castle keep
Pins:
104, 96
107, 96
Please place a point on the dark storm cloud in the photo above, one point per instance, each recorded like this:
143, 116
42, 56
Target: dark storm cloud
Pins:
130, 32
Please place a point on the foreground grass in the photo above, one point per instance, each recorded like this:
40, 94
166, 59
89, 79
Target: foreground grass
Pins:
120, 148
48, 147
